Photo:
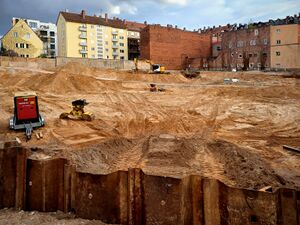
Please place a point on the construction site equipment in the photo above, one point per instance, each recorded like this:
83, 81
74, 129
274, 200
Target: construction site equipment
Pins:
157, 68
78, 111
154, 88
154, 68
26, 113
191, 73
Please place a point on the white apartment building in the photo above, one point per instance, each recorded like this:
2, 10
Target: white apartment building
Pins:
47, 32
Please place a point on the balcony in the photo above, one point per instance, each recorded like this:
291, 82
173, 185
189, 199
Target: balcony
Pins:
115, 46
115, 53
81, 28
83, 51
83, 44
114, 32
114, 39
82, 36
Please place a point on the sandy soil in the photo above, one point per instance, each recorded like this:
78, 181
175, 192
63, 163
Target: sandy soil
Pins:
233, 133
11, 217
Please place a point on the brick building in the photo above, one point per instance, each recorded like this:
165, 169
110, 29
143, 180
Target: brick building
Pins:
174, 48
246, 47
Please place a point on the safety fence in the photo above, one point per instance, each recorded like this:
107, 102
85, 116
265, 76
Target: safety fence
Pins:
133, 197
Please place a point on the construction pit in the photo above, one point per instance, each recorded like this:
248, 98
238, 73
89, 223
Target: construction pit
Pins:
174, 156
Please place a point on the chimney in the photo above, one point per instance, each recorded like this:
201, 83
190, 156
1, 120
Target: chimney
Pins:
145, 22
83, 14
106, 17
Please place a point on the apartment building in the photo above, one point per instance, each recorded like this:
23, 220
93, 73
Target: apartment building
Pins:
285, 46
83, 36
133, 34
47, 32
173, 47
246, 47
23, 40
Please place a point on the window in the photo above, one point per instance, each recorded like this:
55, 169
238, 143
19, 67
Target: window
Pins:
252, 42
278, 42
255, 32
22, 55
239, 44
121, 50
92, 26
240, 56
93, 49
17, 45
43, 32
277, 30
250, 55
115, 37
121, 44
277, 53
232, 54
52, 33
121, 37
106, 42
27, 45
27, 36
93, 56
83, 55
27, 56
52, 40
106, 49
230, 45
15, 34
52, 46
255, 55
107, 57
33, 24
21, 45
265, 41
122, 57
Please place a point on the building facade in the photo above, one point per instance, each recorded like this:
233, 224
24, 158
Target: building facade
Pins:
285, 46
174, 48
246, 47
47, 33
23, 40
133, 34
83, 36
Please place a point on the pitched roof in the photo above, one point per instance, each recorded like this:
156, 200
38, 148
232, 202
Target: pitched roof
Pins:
79, 18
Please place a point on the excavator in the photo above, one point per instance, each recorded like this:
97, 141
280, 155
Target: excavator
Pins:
78, 112
154, 68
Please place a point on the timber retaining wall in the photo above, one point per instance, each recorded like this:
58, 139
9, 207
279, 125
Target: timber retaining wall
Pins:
133, 197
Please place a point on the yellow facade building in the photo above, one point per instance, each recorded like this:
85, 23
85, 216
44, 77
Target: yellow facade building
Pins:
285, 46
83, 36
23, 40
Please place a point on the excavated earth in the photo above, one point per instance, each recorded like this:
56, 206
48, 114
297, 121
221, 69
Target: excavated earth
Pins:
230, 132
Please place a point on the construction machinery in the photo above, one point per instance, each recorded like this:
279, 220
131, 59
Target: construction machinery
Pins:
154, 68
26, 113
78, 112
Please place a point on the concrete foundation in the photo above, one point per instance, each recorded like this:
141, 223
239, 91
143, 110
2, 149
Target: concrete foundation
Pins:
132, 197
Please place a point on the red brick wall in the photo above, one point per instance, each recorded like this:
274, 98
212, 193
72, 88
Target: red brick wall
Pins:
170, 47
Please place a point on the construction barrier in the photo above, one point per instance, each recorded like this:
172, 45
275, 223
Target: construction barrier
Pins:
133, 197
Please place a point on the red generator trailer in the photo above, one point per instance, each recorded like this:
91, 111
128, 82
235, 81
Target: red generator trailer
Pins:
26, 113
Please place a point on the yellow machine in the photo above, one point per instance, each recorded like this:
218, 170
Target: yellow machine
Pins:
155, 68
78, 111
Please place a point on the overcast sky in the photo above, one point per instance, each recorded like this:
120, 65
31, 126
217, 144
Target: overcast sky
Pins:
192, 14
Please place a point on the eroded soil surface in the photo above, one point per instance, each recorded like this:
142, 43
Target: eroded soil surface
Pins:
231, 132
